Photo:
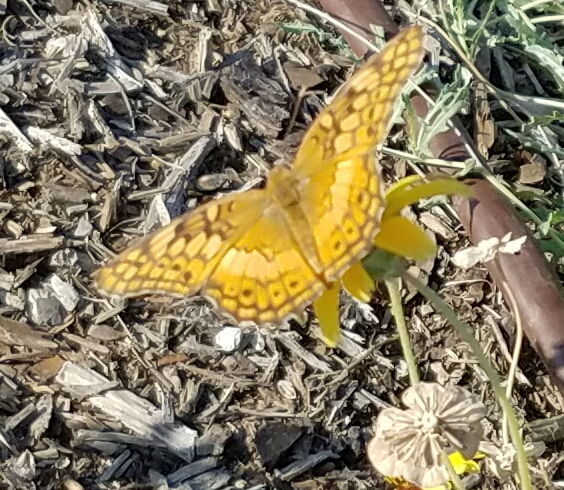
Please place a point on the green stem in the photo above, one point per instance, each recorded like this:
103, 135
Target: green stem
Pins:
454, 478
465, 333
399, 317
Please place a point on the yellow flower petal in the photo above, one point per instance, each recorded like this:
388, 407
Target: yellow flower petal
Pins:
401, 484
358, 283
401, 185
326, 309
401, 237
462, 465
398, 197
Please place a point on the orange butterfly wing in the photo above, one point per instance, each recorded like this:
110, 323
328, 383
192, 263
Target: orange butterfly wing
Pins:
237, 251
342, 197
263, 255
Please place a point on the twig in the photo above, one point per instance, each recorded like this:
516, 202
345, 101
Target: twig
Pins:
516, 354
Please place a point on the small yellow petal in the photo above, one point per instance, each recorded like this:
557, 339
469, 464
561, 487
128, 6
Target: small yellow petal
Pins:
398, 197
401, 237
462, 465
326, 309
400, 483
398, 187
358, 283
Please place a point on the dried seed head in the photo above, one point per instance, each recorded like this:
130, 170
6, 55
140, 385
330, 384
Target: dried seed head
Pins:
409, 444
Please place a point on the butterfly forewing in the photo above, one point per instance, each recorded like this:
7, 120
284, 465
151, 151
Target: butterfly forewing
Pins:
179, 258
357, 117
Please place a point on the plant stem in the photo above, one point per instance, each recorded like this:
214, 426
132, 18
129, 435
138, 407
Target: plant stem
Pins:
465, 333
454, 478
399, 317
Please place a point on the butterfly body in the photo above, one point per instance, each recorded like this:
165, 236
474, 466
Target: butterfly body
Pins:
284, 186
265, 254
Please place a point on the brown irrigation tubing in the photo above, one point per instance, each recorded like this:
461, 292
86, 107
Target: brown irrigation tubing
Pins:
536, 294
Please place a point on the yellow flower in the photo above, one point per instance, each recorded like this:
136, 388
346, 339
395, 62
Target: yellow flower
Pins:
397, 236
460, 464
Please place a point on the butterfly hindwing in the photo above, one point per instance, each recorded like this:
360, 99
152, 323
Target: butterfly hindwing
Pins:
264, 277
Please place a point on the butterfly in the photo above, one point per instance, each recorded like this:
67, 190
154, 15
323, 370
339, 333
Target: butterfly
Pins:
263, 255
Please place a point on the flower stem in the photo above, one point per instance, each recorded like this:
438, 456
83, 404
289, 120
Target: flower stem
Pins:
399, 317
454, 478
465, 333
